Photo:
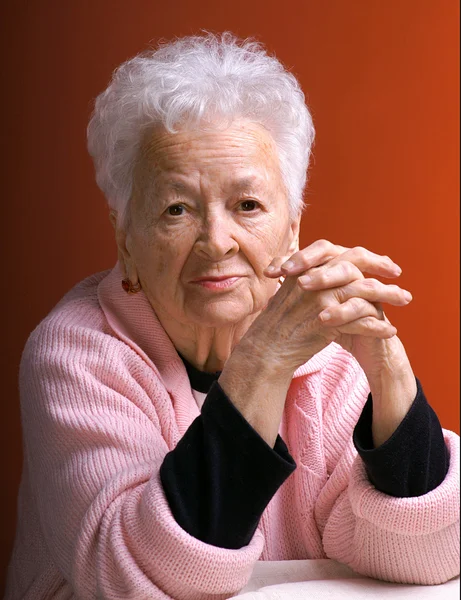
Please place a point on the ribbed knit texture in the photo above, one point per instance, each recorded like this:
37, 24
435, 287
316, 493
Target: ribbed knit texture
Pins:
104, 397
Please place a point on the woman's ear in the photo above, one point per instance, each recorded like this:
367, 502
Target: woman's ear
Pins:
123, 255
294, 236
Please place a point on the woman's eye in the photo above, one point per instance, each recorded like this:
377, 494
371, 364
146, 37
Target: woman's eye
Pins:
249, 205
176, 210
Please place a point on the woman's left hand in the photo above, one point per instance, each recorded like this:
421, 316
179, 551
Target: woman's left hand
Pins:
384, 361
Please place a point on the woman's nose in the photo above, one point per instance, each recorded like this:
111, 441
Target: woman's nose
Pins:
217, 239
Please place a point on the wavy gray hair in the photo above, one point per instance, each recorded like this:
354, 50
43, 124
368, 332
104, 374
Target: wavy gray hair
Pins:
191, 82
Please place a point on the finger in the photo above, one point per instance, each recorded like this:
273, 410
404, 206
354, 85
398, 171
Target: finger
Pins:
374, 291
330, 275
349, 311
273, 269
369, 262
314, 255
369, 327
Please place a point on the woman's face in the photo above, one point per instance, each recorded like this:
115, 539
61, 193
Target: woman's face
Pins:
208, 213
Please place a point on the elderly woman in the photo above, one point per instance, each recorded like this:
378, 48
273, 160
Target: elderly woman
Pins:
221, 397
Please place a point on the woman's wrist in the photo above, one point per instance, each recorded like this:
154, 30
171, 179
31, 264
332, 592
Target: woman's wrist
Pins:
257, 386
393, 389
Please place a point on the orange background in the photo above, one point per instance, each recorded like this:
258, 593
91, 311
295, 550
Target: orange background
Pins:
382, 81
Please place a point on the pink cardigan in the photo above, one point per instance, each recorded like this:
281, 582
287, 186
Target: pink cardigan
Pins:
104, 396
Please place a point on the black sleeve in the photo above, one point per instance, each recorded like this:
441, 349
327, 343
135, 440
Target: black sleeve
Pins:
414, 460
222, 474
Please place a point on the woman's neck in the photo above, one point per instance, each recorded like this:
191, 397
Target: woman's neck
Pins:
206, 348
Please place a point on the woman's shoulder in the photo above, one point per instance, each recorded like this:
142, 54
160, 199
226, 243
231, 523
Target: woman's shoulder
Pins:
75, 318
74, 359
79, 306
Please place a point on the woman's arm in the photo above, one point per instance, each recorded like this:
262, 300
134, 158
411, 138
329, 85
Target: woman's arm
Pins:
414, 460
94, 442
221, 475
412, 539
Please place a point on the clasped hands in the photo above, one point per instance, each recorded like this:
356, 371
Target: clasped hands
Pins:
348, 303
326, 297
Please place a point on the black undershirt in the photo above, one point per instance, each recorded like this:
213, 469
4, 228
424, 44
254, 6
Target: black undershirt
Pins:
222, 474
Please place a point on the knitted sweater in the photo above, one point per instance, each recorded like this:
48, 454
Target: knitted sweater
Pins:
104, 398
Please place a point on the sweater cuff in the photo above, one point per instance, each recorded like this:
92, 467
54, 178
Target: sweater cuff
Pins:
414, 460
421, 515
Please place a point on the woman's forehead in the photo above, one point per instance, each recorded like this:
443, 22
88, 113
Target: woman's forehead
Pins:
241, 140
244, 156
234, 182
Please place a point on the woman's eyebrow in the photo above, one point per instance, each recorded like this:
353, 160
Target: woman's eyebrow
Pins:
178, 186
246, 184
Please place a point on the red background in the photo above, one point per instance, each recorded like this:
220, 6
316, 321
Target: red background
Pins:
382, 81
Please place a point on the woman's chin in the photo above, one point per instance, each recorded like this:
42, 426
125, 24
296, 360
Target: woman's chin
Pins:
220, 314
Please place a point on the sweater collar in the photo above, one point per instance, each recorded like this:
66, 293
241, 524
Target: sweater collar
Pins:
134, 321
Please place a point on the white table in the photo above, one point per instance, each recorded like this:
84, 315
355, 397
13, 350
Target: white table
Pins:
329, 580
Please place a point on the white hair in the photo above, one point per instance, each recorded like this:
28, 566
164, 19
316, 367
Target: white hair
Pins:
189, 82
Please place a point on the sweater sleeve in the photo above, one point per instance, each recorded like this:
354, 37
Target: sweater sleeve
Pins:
406, 540
94, 443
414, 460
222, 474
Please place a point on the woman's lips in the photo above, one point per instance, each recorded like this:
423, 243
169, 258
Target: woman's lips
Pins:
217, 283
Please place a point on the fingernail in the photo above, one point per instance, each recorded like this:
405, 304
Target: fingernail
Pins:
270, 269
408, 297
325, 316
305, 280
397, 270
288, 265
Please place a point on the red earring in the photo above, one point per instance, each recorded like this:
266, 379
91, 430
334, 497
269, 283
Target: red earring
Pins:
130, 288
